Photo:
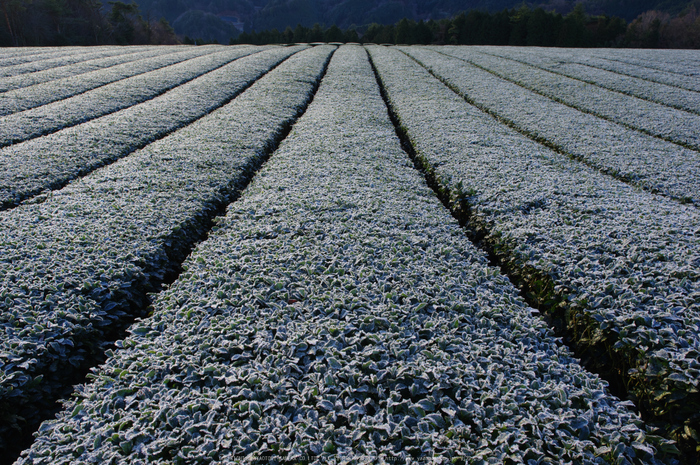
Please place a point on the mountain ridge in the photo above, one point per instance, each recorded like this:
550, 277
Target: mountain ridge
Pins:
268, 14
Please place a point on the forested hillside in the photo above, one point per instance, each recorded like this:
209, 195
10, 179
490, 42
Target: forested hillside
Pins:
79, 22
268, 14
652, 23
508, 27
222, 19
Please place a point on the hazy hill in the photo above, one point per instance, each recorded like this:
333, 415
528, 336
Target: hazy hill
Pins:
201, 24
268, 14
244, 10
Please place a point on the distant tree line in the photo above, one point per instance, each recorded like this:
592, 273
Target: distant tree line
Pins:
298, 34
655, 29
523, 26
88, 22
78, 22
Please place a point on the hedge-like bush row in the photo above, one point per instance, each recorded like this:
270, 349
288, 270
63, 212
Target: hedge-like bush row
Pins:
680, 62
106, 99
49, 162
32, 60
338, 314
665, 94
18, 55
651, 118
642, 160
79, 263
83, 67
655, 75
617, 266
32, 90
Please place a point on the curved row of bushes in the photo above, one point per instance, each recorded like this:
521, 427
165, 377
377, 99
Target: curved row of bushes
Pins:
338, 312
49, 162
614, 266
670, 89
34, 111
78, 265
655, 165
655, 119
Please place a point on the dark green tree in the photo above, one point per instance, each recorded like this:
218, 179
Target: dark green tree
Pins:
609, 31
439, 30
124, 19
404, 33
333, 34
373, 31
477, 29
518, 21
537, 28
271, 36
288, 35
351, 35
301, 34
316, 33
457, 33
499, 30
423, 34
573, 32
56, 10
14, 13
88, 18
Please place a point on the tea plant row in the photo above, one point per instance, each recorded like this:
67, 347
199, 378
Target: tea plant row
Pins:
679, 62
646, 161
337, 311
49, 162
651, 118
22, 61
616, 266
28, 94
82, 67
661, 76
612, 78
79, 262
40, 116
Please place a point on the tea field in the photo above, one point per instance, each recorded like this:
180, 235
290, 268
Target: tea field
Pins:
349, 254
